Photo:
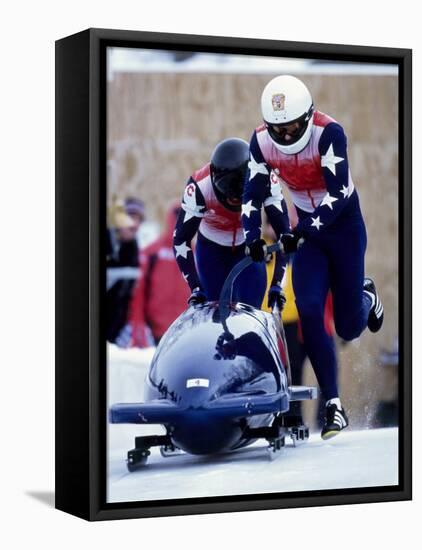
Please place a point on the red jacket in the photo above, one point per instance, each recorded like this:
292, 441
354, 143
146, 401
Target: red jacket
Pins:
160, 294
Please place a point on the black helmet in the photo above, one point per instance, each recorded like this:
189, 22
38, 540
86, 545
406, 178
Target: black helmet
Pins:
229, 162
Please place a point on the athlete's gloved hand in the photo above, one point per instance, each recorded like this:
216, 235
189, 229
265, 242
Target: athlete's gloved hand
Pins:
197, 297
276, 296
257, 250
291, 242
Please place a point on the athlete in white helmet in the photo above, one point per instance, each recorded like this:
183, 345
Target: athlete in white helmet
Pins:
289, 122
306, 150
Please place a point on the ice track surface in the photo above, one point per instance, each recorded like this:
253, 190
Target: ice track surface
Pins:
364, 458
353, 459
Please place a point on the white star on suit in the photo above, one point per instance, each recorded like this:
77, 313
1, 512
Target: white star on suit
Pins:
185, 276
329, 160
276, 197
192, 210
247, 209
316, 222
256, 168
347, 191
328, 201
182, 250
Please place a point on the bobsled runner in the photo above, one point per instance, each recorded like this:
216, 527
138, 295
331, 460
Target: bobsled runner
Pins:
219, 380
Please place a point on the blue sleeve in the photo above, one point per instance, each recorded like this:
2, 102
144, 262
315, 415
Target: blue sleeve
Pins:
279, 268
187, 224
335, 170
259, 191
276, 210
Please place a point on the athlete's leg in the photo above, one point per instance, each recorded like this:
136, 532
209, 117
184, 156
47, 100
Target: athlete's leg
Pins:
213, 262
250, 286
310, 283
347, 269
297, 356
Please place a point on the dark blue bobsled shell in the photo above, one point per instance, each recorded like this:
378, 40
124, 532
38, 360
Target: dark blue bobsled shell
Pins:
211, 378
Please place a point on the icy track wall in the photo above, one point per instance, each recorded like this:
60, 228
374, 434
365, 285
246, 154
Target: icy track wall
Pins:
163, 126
127, 369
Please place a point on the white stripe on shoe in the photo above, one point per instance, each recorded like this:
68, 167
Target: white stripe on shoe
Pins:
339, 420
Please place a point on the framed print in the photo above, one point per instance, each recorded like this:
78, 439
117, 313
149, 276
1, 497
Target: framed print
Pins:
233, 274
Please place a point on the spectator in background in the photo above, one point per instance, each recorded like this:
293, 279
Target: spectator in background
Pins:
147, 231
160, 294
135, 208
122, 252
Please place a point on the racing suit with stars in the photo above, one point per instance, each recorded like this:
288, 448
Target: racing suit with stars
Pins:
330, 221
220, 244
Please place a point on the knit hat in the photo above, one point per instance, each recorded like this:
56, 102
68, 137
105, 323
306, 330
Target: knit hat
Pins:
135, 206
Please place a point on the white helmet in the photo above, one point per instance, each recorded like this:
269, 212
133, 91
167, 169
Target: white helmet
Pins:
286, 101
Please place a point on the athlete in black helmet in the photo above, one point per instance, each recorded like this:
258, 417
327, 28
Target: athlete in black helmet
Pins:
228, 170
211, 208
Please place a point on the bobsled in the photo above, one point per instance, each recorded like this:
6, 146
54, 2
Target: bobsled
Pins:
219, 381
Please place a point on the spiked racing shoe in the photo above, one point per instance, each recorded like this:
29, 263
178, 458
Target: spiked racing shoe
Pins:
376, 313
335, 419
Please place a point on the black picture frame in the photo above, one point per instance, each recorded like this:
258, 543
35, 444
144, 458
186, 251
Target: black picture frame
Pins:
80, 273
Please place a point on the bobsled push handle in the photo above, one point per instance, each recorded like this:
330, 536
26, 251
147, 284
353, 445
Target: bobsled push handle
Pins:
227, 290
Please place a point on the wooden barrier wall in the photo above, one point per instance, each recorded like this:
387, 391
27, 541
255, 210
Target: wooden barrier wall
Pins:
161, 127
